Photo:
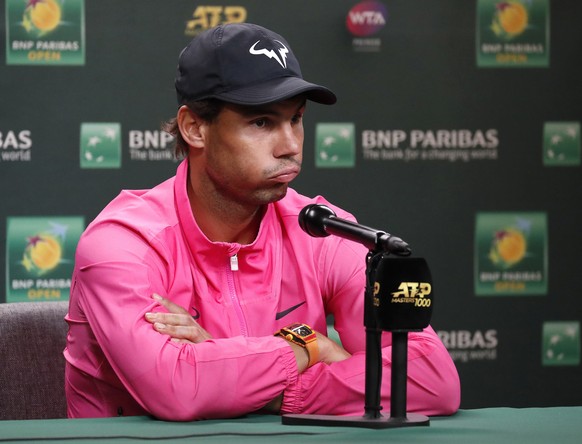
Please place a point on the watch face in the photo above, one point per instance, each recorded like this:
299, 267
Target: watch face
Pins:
302, 330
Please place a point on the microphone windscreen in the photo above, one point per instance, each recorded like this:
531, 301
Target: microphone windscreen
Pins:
312, 219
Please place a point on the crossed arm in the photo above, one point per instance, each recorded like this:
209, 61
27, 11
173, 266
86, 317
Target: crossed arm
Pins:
181, 327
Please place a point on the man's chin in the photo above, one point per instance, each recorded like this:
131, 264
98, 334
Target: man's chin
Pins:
275, 194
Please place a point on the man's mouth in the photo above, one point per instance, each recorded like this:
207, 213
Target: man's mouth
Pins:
286, 174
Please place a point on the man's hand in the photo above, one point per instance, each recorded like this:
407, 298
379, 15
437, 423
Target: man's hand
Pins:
329, 350
178, 323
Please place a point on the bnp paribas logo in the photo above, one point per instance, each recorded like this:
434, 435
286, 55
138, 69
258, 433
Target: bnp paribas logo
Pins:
100, 145
562, 143
511, 252
40, 255
45, 32
335, 145
513, 33
561, 343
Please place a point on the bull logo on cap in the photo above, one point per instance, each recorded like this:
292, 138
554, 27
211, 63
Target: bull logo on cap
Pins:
283, 51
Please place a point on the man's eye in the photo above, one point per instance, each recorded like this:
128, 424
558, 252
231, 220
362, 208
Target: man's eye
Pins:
260, 123
297, 118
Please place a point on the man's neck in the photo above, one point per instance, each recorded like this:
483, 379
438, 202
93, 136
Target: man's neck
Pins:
223, 221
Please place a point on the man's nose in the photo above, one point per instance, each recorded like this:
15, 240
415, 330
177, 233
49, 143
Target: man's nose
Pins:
290, 142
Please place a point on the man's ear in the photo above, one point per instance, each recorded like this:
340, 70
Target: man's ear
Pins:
191, 127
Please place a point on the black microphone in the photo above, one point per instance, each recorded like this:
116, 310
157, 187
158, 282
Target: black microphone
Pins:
320, 221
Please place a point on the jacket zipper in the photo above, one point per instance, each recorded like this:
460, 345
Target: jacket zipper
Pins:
233, 266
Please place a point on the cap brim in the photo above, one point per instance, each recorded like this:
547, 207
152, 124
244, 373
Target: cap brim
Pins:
276, 90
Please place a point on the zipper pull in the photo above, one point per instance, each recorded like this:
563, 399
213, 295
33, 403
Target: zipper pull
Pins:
234, 263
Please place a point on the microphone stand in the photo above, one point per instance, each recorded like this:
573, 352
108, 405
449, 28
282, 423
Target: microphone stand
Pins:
398, 416
372, 417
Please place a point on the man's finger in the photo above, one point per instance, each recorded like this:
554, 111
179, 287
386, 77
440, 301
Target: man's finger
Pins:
184, 334
171, 318
178, 324
172, 307
183, 341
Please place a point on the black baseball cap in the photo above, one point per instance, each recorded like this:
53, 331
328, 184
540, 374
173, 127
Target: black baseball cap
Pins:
244, 64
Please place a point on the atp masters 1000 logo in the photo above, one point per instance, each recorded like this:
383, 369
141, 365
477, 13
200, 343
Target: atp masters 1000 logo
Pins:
208, 16
45, 32
39, 257
511, 254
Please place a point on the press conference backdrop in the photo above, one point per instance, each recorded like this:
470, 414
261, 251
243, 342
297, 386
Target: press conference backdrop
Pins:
457, 128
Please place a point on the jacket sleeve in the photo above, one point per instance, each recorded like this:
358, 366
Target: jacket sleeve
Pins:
433, 386
173, 381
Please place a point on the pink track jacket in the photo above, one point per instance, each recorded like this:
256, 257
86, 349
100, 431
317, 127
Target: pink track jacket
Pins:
147, 241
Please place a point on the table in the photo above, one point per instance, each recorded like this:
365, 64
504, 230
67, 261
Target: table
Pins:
561, 425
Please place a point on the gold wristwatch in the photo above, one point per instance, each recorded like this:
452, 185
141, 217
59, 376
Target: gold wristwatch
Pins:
304, 336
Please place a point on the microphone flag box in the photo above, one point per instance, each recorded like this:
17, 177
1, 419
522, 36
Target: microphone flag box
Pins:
402, 294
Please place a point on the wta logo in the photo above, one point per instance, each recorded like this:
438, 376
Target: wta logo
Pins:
366, 18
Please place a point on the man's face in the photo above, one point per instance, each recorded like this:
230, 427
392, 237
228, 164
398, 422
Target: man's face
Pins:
252, 153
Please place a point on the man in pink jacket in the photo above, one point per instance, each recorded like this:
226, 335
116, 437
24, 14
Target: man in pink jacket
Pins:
178, 290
